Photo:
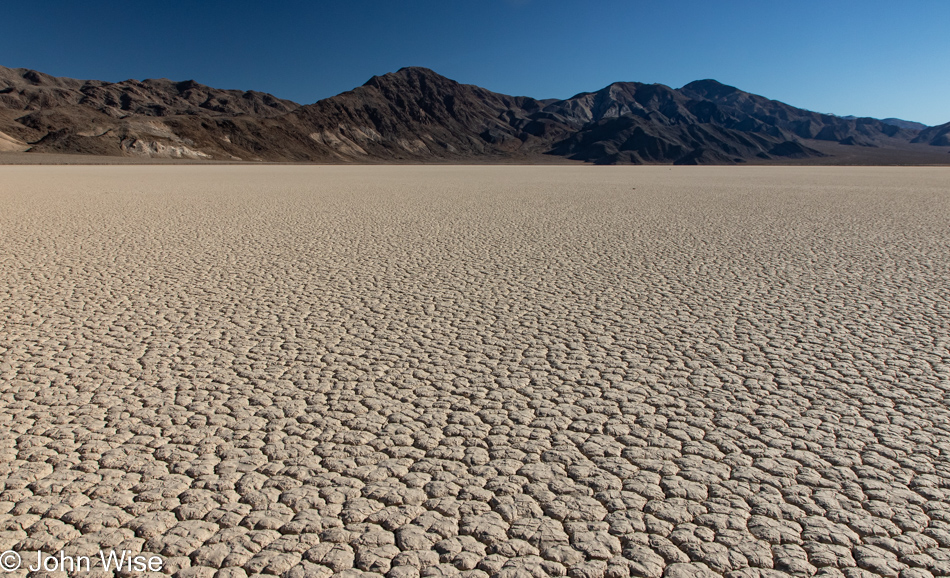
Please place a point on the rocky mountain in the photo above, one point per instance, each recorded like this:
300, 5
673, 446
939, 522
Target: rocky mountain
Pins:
53, 114
29, 90
416, 115
733, 107
630, 122
935, 135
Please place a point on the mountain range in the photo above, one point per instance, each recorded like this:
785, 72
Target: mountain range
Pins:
416, 115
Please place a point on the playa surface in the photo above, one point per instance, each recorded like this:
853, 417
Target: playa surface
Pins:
513, 371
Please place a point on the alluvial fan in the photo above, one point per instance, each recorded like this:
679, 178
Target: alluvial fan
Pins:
511, 371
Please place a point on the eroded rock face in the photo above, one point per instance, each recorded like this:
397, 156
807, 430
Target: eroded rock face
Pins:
478, 371
156, 149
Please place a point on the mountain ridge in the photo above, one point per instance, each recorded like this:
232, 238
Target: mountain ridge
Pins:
417, 115
898, 122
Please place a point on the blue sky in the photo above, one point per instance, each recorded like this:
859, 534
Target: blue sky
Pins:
867, 57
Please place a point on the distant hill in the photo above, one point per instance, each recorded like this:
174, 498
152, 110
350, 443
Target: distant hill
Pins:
908, 124
900, 123
415, 115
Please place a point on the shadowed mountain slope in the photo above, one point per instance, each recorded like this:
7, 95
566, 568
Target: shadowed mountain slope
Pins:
416, 115
732, 107
935, 135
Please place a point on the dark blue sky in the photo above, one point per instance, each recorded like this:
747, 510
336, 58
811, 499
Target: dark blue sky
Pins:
862, 57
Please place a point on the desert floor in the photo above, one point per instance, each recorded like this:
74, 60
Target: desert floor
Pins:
514, 371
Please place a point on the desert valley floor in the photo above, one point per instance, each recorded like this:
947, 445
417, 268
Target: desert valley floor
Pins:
511, 371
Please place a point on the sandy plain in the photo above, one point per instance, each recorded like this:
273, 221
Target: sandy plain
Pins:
511, 371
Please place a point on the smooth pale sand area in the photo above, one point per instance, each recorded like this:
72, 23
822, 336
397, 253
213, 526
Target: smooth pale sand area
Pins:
512, 371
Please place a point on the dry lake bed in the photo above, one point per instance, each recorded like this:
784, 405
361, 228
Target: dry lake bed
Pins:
507, 371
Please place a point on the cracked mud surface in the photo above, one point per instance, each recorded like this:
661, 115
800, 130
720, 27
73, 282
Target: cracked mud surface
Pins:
437, 371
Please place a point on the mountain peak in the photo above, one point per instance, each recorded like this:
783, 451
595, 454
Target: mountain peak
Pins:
417, 70
709, 88
406, 73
